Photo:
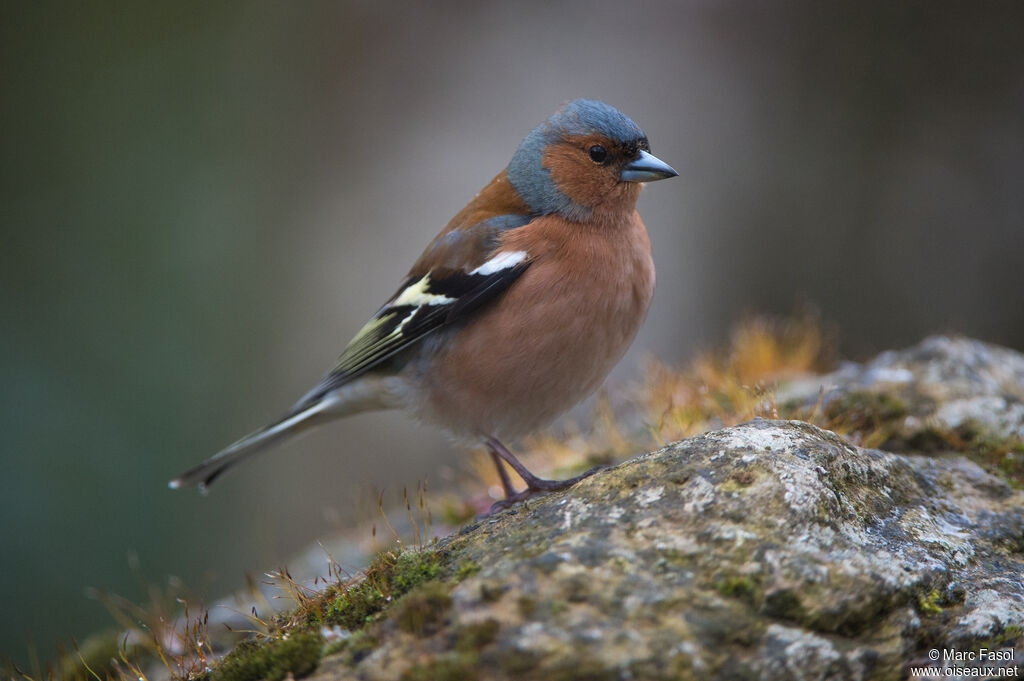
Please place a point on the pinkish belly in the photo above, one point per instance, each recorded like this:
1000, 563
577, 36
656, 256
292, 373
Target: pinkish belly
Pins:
522, 363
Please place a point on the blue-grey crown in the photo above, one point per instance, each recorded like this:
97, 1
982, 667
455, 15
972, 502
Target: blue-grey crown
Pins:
578, 117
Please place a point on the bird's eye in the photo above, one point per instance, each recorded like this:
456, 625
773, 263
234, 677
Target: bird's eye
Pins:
598, 154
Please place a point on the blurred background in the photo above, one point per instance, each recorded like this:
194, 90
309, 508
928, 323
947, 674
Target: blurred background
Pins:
202, 202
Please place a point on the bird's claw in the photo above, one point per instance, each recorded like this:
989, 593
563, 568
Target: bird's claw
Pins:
540, 486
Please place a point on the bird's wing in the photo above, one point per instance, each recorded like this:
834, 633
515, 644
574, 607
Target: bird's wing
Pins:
461, 271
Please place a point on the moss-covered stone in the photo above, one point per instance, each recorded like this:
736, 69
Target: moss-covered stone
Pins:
456, 666
741, 587
1010, 636
354, 608
943, 395
295, 654
473, 637
467, 568
824, 554
354, 648
422, 611
747, 552
412, 568
929, 604
390, 576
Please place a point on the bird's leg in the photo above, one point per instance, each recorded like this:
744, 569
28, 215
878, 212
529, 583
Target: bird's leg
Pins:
534, 485
506, 483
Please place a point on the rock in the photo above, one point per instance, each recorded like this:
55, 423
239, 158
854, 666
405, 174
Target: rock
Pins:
944, 382
770, 550
773, 549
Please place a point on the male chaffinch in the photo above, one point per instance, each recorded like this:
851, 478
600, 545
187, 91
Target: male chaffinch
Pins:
515, 312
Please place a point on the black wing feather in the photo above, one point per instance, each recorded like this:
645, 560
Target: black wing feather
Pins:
397, 327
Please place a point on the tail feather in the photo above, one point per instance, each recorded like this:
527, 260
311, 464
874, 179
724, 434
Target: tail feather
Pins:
254, 443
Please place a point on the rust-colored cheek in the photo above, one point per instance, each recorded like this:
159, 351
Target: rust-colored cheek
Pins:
576, 176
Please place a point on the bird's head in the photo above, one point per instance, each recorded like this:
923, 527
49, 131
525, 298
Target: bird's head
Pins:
588, 157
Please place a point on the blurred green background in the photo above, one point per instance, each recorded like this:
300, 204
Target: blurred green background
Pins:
201, 202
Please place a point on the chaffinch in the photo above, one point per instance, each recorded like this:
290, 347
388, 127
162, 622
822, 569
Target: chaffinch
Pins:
515, 312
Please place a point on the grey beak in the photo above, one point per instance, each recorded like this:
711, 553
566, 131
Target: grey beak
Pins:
647, 168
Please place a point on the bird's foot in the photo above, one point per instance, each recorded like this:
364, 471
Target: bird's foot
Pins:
535, 485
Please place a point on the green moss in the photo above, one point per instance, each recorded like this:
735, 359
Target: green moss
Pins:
354, 608
823, 510
336, 647
929, 604
271, 660
1010, 635
673, 560
1003, 456
467, 568
423, 610
743, 588
388, 577
412, 568
473, 637
447, 667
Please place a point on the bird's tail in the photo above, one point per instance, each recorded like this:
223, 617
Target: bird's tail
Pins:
254, 443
